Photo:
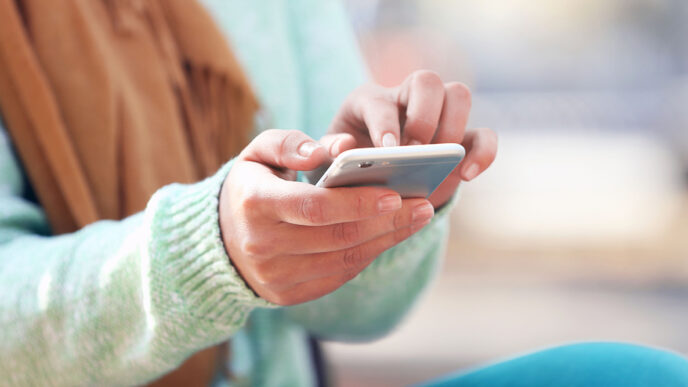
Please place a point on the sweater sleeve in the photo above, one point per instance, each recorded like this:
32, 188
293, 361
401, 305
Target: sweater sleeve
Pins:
118, 302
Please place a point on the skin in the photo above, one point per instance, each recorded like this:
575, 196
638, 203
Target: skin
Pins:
293, 242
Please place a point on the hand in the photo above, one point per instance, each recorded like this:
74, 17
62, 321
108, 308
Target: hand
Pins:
428, 110
293, 242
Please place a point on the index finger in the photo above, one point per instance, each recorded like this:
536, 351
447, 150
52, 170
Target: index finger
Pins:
423, 96
380, 114
307, 205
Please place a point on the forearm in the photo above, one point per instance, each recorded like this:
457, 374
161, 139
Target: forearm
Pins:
120, 302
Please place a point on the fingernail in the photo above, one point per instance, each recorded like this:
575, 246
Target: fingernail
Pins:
307, 148
389, 140
471, 172
389, 203
422, 213
414, 142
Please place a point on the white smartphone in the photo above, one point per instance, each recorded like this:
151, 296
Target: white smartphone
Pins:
412, 171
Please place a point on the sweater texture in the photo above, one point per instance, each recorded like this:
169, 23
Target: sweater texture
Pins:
123, 302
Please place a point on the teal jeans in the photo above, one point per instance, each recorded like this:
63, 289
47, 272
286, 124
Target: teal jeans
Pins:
580, 365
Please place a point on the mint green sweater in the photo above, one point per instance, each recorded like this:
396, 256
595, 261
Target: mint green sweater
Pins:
123, 302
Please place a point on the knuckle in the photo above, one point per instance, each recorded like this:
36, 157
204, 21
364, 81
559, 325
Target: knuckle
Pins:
263, 274
292, 134
352, 100
266, 134
258, 275
490, 134
253, 248
487, 148
352, 258
269, 133
426, 78
311, 209
378, 105
250, 200
458, 91
381, 106
390, 115
378, 97
421, 123
285, 141
346, 233
362, 91
399, 220
368, 90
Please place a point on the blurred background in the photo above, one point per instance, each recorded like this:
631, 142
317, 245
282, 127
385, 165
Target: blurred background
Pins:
579, 231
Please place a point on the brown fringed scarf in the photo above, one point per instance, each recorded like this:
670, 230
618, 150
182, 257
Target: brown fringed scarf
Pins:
108, 100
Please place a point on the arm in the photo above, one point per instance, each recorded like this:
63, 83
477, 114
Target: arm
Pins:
316, 64
118, 302
373, 303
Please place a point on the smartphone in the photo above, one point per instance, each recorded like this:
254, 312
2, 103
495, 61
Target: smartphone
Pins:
413, 171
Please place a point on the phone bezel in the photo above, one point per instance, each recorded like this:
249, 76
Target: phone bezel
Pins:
391, 158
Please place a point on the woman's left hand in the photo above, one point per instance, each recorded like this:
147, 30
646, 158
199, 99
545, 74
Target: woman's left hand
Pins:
422, 110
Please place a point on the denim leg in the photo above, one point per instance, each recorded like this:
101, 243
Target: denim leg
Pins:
578, 365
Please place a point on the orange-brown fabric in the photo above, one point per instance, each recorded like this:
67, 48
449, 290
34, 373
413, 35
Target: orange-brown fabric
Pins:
108, 100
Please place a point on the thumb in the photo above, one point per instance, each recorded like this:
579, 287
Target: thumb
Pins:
337, 143
291, 149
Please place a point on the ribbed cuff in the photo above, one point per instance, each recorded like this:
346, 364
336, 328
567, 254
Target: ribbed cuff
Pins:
190, 253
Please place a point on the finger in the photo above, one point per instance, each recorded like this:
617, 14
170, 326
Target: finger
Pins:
423, 96
481, 150
308, 240
380, 114
338, 143
457, 105
290, 149
307, 205
297, 269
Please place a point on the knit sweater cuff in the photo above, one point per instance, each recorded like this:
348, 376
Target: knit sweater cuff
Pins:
190, 254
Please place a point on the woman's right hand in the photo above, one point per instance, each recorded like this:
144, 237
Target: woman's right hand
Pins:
293, 242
